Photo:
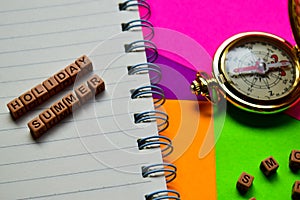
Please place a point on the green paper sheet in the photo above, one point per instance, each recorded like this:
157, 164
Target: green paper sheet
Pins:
247, 139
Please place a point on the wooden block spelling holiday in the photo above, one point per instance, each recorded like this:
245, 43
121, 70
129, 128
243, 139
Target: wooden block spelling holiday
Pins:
49, 87
269, 166
62, 108
294, 160
244, 183
296, 191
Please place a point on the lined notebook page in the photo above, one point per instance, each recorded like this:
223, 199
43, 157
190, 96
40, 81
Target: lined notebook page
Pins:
92, 154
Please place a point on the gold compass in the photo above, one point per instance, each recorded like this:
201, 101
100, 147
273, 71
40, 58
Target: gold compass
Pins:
256, 71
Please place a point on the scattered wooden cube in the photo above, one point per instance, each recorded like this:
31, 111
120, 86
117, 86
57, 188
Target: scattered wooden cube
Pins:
244, 183
294, 160
16, 108
37, 127
269, 166
296, 191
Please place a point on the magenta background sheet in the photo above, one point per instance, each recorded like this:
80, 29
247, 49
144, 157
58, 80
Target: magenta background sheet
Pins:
209, 23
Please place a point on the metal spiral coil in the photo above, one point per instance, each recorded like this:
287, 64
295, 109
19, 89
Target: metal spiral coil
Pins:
160, 117
132, 5
149, 91
136, 25
158, 141
163, 169
147, 67
163, 194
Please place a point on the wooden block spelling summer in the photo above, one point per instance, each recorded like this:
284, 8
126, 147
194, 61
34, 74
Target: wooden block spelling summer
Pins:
37, 127
96, 84
49, 87
71, 101
49, 118
269, 166
244, 183
294, 160
83, 93
296, 191
62, 108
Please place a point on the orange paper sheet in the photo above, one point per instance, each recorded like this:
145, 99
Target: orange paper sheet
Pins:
190, 122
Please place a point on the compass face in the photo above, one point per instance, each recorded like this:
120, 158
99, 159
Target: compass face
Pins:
260, 69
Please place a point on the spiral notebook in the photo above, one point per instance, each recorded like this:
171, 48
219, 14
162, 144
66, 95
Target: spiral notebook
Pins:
111, 148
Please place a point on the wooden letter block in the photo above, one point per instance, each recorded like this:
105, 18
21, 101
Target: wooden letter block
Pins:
269, 166
60, 110
71, 101
84, 64
28, 100
16, 108
244, 183
83, 93
52, 86
96, 84
49, 118
40, 93
294, 161
63, 79
296, 191
37, 127
73, 71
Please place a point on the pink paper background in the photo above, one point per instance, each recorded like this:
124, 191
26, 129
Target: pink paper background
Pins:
211, 22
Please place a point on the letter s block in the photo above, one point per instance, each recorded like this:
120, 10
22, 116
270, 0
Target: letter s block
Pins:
244, 183
37, 127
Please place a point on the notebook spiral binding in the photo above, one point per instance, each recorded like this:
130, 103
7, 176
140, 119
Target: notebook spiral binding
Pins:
161, 118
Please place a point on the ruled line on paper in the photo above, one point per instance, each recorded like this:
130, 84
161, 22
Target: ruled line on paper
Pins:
45, 77
89, 190
67, 156
53, 61
69, 174
59, 32
67, 138
59, 18
65, 122
45, 7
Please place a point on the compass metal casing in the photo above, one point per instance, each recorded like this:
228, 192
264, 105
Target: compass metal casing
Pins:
243, 100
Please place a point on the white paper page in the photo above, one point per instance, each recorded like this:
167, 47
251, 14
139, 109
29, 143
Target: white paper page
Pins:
92, 154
